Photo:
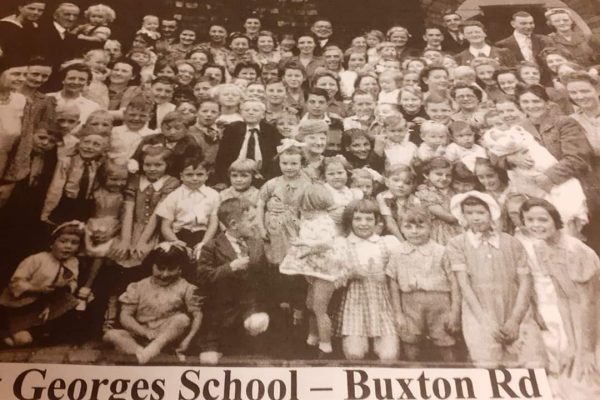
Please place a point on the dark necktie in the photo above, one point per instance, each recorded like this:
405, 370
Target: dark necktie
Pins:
84, 183
153, 123
250, 154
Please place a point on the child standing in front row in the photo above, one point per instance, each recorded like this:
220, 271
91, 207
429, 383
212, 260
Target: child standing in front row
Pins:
160, 310
278, 207
312, 255
366, 311
425, 293
493, 272
400, 181
241, 175
189, 213
435, 195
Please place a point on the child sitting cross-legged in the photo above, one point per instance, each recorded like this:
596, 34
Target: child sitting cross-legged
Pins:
160, 310
425, 293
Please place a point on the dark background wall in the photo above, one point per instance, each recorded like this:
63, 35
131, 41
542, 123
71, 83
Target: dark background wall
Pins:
350, 17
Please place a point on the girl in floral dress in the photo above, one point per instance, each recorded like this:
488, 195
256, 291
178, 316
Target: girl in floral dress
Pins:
312, 255
366, 311
435, 195
278, 208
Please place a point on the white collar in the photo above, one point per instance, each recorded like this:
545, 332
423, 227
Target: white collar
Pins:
487, 49
374, 238
157, 185
188, 192
476, 239
61, 29
424, 249
325, 118
520, 36
249, 127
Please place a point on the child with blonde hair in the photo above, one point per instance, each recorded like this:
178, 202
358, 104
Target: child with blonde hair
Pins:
312, 255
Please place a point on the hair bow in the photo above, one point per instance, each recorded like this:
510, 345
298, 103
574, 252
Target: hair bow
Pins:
74, 223
376, 176
288, 143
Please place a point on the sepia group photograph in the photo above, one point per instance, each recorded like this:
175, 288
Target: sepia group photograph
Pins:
400, 198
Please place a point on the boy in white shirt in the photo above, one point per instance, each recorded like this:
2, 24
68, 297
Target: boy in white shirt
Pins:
189, 213
125, 139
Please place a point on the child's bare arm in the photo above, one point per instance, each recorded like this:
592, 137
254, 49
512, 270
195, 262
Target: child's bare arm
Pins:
211, 229
586, 294
260, 217
523, 300
194, 328
395, 294
438, 211
166, 228
130, 324
149, 229
392, 227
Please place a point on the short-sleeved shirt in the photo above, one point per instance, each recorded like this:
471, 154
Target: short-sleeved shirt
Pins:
420, 267
189, 209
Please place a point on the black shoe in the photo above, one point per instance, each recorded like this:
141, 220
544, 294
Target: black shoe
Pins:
325, 356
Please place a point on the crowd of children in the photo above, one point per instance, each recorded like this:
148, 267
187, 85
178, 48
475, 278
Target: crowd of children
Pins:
382, 201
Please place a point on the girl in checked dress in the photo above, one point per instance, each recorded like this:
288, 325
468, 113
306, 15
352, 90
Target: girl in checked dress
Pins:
366, 311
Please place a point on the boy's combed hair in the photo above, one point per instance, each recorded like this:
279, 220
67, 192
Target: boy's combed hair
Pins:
174, 256
165, 80
153, 151
192, 161
318, 92
316, 197
458, 126
173, 116
417, 215
365, 206
401, 169
243, 165
140, 103
231, 209
100, 114
435, 163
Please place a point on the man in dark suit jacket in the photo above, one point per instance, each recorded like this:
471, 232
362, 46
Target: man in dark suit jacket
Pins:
322, 28
255, 138
523, 43
454, 41
474, 32
56, 43
234, 275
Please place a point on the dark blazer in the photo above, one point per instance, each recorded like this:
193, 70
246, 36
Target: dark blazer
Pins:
57, 50
231, 144
231, 296
503, 56
538, 43
451, 45
565, 139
